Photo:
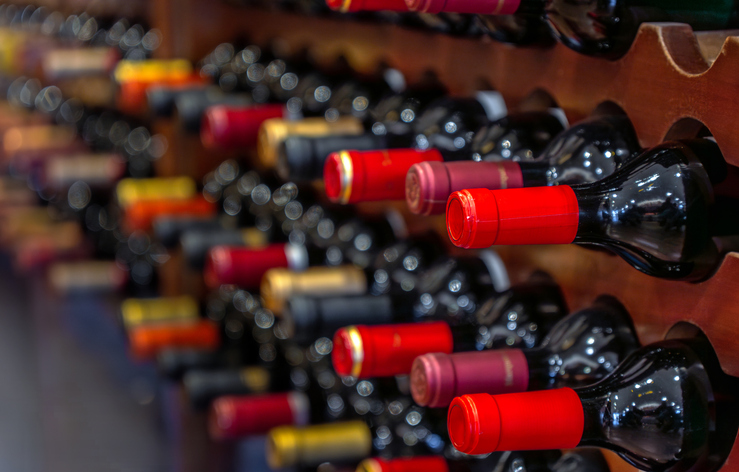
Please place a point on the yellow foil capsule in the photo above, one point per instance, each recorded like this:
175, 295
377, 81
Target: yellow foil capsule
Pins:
129, 190
151, 70
308, 446
137, 311
279, 284
275, 131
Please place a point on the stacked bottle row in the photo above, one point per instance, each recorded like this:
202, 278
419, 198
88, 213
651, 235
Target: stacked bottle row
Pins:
293, 279
589, 27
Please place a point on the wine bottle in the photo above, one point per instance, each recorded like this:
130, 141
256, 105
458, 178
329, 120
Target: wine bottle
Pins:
389, 124
319, 239
332, 105
520, 23
395, 431
396, 260
205, 386
587, 152
659, 213
315, 395
246, 335
580, 349
446, 124
189, 104
592, 28
668, 406
395, 298
583, 460
516, 317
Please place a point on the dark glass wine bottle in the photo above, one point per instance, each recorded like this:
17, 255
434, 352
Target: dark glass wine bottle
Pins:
608, 29
581, 460
592, 26
507, 153
518, 317
580, 349
456, 284
389, 124
444, 131
668, 406
660, 212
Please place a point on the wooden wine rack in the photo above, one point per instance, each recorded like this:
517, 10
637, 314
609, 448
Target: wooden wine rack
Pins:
671, 84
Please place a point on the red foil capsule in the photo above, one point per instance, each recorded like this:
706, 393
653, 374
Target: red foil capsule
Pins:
480, 218
147, 341
407, 464
234, 417
226, 127
547, 419
141, 214
429, 184
370, 176
387, 350
346, 6
480, 7
245, 267
437, 378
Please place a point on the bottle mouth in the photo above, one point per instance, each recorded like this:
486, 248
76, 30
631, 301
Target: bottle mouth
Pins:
221, 418
458, 221
338, 174
347, 354
426, 381
461, 426
213, 126
414, 195
219, 267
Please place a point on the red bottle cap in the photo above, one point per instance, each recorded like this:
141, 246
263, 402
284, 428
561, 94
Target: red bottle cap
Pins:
480, 7
547, 419
234, 417
346, 6
429, 184
147, 341
479, 218
244, 266
408, 464
141, 214
227, 127
437, 378
387, 350
370, 176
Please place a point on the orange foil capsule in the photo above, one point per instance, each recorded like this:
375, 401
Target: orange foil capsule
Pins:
148, 340
140, 215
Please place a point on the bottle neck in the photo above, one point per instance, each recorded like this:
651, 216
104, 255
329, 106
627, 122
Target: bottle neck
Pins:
534, 174
464, 337
539, 369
